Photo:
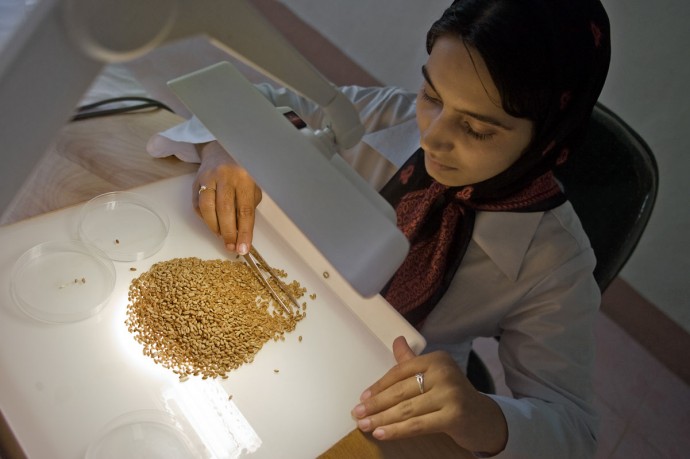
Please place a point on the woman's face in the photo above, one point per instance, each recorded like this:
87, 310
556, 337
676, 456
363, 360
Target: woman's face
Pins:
466, 136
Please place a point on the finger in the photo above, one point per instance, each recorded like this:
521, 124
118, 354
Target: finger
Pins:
415, 407
418, 425
401, 350
226, 214
399, 394
207, 208
408, 365
245, 219
195, 197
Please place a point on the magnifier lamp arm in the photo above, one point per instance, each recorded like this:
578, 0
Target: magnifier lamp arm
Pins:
63, 44
238, 28
235, 26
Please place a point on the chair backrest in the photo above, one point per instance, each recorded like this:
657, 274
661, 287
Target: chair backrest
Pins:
611, 181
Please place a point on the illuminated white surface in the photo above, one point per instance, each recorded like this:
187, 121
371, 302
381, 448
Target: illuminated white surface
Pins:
62, 384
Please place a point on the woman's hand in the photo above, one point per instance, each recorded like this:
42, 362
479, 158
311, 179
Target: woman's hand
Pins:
393, 407
225, 197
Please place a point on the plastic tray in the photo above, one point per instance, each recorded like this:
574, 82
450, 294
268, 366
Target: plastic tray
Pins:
62, 281
125, 226
142, 434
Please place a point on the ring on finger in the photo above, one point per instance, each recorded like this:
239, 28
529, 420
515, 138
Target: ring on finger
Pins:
420, 382
205, 188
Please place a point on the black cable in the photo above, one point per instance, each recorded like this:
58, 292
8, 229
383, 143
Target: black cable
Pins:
87, 111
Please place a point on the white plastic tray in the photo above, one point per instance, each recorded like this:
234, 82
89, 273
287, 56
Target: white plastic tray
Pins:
62, 385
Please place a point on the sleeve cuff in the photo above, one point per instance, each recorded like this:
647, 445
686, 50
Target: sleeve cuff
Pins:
180, 141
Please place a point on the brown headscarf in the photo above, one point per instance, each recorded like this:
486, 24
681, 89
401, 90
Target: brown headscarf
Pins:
439, 220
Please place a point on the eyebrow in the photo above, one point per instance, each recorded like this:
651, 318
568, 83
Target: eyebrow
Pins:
483, 118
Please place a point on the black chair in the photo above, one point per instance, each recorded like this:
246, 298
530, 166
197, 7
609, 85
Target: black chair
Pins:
612, 182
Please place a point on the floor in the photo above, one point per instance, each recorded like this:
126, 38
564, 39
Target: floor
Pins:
644, 406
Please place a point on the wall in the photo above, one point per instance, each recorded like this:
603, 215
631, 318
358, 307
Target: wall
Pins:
646, 87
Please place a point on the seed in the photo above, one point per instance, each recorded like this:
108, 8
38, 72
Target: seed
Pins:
326, 275
276, 370
132, 268
117, 241
312, 296
300, 338
204, 317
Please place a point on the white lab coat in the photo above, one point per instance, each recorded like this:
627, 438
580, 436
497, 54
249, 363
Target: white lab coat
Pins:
526, 277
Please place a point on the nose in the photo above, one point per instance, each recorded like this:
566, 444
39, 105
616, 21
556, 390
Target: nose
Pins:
436, 135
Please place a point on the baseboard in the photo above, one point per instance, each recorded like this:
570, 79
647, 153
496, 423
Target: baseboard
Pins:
667, 341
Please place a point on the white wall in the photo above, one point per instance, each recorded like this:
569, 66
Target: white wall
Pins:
386, 38
650, 71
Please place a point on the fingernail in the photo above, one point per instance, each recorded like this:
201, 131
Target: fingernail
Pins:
242, 249
359, 411
365, 395
230, 247
364, 424
379, 433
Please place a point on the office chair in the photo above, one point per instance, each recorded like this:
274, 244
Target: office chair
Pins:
612, 182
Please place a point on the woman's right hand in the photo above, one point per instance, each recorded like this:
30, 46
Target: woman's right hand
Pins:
225, 197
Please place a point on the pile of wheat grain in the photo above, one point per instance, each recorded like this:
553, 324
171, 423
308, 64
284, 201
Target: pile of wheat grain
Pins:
206, 317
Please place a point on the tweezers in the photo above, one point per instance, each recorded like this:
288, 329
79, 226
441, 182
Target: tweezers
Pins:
254, 260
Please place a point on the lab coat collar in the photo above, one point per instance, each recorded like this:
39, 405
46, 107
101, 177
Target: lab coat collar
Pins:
395, 143
503, 236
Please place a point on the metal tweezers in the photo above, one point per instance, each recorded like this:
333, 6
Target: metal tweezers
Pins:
254, 260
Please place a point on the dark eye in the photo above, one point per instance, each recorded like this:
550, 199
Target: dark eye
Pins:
477, 135
428, 98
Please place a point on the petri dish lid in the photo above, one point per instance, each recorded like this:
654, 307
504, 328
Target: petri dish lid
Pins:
142, 434
62, 281
124, 225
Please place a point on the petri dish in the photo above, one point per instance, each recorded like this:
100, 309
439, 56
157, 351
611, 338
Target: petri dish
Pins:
62, 281
142, 434
124, 225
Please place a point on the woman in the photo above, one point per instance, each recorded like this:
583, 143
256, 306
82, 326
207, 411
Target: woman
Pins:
496, 249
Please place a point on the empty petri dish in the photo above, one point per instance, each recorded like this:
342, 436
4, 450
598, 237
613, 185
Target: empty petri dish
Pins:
143, 434
124, 225
62, 281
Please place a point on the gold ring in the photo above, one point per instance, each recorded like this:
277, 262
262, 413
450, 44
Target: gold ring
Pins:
205, 188
420, 382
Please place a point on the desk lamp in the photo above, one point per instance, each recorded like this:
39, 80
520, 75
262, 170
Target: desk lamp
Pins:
62, 46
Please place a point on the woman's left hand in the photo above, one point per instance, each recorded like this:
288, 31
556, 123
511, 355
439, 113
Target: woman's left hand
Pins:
395, 406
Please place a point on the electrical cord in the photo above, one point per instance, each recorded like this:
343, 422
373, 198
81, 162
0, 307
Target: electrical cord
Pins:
87, 111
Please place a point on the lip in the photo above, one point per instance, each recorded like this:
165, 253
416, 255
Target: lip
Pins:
432, 163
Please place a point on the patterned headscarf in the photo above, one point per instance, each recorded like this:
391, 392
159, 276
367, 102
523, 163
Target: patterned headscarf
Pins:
438, 220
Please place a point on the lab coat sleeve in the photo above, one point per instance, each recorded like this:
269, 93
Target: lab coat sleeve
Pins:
378, 108
547, 350
181, 139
